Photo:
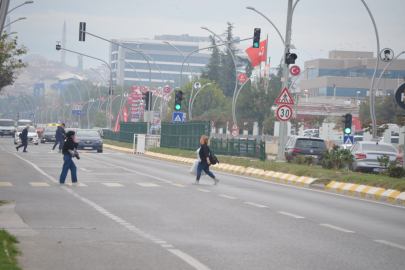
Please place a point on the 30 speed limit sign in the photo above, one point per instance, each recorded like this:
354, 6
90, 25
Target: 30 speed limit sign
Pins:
284, 113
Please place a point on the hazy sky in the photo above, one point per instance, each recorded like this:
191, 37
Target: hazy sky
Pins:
318, 25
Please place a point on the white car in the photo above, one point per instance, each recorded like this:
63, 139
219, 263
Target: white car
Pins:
32, 135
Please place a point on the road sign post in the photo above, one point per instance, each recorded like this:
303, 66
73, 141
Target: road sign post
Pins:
295, 70
178, 117
348, 139
235, 130
284, 113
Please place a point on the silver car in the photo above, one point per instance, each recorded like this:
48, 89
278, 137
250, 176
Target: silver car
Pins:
366, 153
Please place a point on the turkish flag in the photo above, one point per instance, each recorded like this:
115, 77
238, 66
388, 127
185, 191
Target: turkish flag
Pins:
257, 55
116, 123
125, 114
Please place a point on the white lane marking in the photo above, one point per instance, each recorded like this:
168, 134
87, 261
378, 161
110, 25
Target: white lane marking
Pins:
255, 204
390, 244
147, 185
336, 228
289, 214
2, 148
39, 184
112, 184
187, 258
203, 190
228, 197
190, 260
6, 184
148, 175
84, 169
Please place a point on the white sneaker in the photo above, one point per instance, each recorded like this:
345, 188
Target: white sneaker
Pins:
62, 184
195, 182
75, 184
216, 181
52, 151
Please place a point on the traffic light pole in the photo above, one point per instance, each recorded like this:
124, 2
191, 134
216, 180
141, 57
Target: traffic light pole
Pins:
283, 125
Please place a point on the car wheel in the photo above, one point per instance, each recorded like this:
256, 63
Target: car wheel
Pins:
36, 144
99, 151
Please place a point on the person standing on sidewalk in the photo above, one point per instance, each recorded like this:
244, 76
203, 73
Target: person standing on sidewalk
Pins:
204, 161
24, 138
59, 137
70, 144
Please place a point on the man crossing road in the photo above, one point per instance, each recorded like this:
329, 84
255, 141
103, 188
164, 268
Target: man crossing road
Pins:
24, 138
59, 137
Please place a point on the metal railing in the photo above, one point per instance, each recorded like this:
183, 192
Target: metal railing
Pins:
239, 147
183, 135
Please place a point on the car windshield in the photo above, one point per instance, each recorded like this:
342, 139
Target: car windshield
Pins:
379, 147
309, 143
23, 123
31, 129
87, 133
50, 129
5, 123
41, 126
358, 139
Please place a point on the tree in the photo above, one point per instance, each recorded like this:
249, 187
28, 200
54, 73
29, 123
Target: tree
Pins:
381, 126
10, 64
296, 124
385, 107
268, 124
212, 70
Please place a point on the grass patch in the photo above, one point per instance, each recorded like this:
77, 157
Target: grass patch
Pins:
7, 242
324, 176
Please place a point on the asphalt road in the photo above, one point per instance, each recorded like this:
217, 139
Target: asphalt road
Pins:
133, 212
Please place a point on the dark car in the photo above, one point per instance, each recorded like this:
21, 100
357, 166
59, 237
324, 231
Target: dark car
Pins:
40, 128
48, 135
89, 139
306, 146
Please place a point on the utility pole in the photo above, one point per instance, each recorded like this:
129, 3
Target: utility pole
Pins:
283, 125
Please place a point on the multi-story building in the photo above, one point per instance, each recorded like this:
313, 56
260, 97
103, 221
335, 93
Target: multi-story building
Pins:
168, 59
348, 74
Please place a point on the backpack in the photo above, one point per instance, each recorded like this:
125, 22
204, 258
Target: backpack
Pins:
213, 159
20, 135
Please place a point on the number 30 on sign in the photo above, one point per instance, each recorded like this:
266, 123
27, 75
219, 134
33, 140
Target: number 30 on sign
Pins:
284, 113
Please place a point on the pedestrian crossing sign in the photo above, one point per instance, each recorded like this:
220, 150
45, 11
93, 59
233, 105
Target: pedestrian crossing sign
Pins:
178, 117
285, 98
348, 140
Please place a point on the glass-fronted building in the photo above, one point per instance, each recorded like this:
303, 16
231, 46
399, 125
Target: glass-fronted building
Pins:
348, 74
131, 67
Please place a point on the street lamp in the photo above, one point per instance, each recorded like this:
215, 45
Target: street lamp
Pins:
21, 18
311, 67
26, 2
307, 93
192, 102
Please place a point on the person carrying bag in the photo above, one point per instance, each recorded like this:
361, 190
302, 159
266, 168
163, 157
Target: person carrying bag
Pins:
69, 152
204, 161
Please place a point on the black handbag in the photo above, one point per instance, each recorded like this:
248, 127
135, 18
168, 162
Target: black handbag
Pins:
213, 159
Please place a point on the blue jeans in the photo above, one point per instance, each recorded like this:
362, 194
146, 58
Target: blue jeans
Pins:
60, 141
69, 164
204, 166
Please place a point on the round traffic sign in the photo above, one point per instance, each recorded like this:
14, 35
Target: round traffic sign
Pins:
167, 89
235, 133
83, 102
102, 99
54, 105
74, 103
284, 113
295, 70
387, 55
61, 104
197, 86
242, 78
400, 96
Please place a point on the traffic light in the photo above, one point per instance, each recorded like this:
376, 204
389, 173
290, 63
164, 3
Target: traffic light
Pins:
256, 38
82, 35
145, 97
347, 123
178, 97
290, 58
110, 91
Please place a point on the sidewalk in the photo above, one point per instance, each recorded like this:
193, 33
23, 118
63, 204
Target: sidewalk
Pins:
376, 193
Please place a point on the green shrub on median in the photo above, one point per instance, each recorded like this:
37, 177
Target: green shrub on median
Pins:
8, 251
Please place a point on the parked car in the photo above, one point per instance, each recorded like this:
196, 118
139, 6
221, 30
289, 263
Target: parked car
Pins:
32, 135
24, 122
6, 127
48, 135
366, 153
89, 139
52, 125
40, 129
306, 146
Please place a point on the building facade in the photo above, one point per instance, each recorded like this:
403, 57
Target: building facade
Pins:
348, 74
169, 60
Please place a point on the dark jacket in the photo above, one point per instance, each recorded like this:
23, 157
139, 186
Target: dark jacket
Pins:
68, 145
24, 135
60, 133
204, 153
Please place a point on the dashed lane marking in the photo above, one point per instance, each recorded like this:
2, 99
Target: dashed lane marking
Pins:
227, 197
179, 185
39, 184
190, 260
390, 244
203, 190
289, 214
255, 204
6, 184
336, 228
112, 185
147, 185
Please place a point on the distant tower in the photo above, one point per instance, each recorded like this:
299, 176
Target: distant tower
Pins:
63, 53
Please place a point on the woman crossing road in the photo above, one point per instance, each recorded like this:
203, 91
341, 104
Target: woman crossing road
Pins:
204, 161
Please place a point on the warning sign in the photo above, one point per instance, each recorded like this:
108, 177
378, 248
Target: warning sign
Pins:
285, 98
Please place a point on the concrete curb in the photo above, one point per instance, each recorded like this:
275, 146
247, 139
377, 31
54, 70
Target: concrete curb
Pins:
376, 193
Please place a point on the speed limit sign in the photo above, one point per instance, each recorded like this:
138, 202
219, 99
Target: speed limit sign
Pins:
284, 113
